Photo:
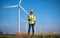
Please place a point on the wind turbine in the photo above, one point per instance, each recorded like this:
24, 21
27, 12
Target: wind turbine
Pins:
26, 24
19, 7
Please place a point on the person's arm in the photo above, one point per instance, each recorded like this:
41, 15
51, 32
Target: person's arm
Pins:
28, 18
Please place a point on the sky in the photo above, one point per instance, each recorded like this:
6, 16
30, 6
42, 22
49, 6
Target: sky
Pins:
47, 13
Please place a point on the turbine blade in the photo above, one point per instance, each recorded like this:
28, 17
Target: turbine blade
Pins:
20, 2
23, 20
23, 10
12, 6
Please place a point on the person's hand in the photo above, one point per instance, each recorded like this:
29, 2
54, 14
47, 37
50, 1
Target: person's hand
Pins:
28, 19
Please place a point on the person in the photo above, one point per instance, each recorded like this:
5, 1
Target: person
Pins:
31, 21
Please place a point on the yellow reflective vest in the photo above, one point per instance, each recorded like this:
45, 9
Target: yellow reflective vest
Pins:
31, 19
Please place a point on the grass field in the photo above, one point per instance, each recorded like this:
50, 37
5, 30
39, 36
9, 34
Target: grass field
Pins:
26, 36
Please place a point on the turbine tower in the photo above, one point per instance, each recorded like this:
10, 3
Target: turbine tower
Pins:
19, 8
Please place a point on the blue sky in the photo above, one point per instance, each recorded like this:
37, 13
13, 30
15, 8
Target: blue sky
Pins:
47, 14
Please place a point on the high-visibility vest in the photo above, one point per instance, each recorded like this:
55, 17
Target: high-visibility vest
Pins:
32, 19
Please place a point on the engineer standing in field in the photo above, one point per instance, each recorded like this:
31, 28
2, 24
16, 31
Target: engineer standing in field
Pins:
31, 21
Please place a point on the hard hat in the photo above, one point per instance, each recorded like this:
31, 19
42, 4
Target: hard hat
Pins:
31, 11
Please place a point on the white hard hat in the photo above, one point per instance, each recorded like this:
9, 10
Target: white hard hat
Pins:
31, 11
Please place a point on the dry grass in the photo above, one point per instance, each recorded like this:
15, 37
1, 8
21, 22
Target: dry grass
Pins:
25, 35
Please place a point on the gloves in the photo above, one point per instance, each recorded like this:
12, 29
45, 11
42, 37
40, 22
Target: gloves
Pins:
28, 19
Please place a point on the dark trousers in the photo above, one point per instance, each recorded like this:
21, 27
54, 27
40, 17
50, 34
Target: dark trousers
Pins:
31, 25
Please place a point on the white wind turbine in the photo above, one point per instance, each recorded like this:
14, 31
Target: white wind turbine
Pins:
26, 24
19, 7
